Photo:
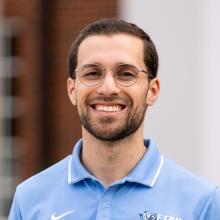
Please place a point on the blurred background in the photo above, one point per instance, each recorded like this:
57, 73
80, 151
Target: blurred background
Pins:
38, 125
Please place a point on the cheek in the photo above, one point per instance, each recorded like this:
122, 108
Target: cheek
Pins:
81, 98
139, 98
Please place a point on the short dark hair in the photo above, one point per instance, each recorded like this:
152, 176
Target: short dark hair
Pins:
110, 27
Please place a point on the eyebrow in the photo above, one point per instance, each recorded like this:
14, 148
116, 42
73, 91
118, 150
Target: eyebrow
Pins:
97, 63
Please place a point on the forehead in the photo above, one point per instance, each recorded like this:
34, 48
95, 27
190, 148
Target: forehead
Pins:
111, 50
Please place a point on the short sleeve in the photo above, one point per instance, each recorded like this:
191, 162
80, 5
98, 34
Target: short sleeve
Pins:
15, 213
212, 208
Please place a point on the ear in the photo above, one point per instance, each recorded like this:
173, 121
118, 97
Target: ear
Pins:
71, 90
153, 91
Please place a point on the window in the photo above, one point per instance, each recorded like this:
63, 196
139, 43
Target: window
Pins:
9, 143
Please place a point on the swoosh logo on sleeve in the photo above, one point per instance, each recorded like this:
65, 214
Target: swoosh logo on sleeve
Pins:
54, 217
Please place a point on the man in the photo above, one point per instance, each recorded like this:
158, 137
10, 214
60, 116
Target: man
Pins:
113, 173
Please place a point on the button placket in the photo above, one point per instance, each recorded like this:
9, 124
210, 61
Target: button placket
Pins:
103, 209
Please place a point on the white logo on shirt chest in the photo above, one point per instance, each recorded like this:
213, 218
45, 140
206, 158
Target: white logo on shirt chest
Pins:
153, 216
54, 217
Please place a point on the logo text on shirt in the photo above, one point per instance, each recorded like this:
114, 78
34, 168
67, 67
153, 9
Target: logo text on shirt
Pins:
153, 216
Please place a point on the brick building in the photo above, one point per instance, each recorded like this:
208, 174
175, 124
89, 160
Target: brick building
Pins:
38, 124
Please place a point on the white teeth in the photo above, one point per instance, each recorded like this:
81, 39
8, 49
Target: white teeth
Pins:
107, 108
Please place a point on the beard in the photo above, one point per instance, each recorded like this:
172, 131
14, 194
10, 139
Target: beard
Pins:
104, 129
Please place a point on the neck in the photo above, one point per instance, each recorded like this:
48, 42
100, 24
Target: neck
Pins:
111, 161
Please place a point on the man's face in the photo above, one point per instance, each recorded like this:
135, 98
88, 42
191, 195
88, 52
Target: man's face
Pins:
108, 111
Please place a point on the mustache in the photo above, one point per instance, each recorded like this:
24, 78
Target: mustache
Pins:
124, 100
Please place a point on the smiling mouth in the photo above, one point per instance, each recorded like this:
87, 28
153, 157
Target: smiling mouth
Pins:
108, 108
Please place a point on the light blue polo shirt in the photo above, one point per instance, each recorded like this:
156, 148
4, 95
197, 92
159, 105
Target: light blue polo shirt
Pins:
156, 189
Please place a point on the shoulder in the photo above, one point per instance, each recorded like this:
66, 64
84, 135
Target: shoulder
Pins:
187, 186
34, 191
46, 179
180, 178
176, 173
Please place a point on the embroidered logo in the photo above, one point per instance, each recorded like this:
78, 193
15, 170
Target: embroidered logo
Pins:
153, 216
148, 216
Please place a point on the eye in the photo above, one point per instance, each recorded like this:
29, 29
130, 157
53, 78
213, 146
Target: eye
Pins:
126, 72
91, 74
125, 75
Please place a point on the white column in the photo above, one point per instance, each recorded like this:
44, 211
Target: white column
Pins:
209, 66
185, 122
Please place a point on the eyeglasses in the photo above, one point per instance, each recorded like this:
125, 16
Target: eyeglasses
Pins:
124, 74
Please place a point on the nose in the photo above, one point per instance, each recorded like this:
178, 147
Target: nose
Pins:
108, 87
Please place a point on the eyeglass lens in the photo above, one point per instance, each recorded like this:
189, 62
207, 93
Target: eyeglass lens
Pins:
93, 74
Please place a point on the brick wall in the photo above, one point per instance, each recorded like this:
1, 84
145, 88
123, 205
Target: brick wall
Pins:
26, 15
49, 125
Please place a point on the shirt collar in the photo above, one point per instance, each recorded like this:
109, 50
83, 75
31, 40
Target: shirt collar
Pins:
145, 172
148, 169
76, 171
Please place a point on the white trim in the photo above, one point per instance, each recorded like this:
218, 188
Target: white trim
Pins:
69, 170
158, 172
